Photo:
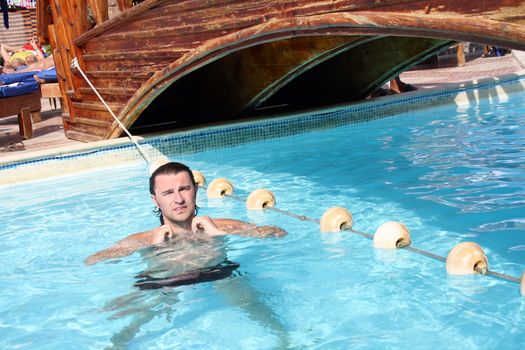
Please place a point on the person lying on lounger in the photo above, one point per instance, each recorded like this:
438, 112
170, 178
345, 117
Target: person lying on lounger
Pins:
31, 76
17, 58
46, 76
25, 77
41, 65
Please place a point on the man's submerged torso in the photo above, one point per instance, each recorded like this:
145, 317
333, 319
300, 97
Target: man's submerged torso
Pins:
183, 254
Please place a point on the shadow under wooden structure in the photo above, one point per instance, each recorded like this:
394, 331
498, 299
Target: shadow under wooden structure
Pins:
181, 63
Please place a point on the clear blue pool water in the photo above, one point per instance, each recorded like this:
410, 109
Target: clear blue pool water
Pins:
451, 174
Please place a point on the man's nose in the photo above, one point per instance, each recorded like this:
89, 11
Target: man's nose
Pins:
178, 198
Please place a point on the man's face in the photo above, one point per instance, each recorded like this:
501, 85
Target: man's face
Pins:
30, 59
175, 197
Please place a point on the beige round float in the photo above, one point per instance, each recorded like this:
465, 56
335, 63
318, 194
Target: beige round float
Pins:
335, 219
199, 178
260, 199
392, 235
522, 284
466, 258
219, 188
157, 163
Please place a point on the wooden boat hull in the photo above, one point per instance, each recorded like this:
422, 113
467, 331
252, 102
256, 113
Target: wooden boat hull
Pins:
183, 63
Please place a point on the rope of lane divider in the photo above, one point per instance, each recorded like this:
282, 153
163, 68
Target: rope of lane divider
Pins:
347, 228
363, 234
503, 276
300, 217
419, 251
422, 252
281, 211
425, 253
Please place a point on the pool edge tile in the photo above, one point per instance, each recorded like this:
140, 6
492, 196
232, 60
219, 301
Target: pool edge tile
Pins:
36, 165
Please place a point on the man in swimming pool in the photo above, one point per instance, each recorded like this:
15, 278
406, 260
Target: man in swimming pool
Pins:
184, 252
174, 192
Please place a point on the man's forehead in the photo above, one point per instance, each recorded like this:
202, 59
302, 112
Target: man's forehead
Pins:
180, 179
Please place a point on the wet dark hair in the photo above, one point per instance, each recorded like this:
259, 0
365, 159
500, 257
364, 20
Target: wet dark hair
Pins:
171, 168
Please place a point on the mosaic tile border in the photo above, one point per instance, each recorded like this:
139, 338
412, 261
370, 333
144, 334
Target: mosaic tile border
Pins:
236, 134
197, 140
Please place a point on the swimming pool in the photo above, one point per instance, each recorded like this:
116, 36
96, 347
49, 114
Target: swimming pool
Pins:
451, 174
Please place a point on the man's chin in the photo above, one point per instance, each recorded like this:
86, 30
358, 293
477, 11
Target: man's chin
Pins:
180, 218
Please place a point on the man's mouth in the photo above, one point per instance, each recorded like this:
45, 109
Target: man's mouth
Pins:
179, 209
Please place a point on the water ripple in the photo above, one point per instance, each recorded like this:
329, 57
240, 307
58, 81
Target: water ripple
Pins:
473, 162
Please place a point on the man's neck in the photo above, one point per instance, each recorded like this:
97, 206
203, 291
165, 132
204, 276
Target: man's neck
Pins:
179, 227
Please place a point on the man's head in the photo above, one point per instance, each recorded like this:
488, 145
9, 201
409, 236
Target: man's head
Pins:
30, 59
173, 190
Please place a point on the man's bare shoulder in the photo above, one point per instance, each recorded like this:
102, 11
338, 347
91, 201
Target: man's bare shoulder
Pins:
153, 236
140, 236
130, 244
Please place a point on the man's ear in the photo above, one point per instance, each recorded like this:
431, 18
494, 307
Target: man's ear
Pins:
154, 200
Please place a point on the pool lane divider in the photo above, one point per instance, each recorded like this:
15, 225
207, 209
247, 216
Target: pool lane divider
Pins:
466, 258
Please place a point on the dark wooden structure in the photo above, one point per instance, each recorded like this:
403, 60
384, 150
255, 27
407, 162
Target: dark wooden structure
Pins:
187, 62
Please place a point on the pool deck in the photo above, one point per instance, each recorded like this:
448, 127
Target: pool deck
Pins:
48, 135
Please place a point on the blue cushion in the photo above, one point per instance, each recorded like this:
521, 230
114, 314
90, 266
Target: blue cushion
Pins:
11, 78
50, 75
20, 89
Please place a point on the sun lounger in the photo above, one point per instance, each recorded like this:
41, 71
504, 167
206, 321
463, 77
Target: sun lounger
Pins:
50, 88
25, 106
20, 95
49, 75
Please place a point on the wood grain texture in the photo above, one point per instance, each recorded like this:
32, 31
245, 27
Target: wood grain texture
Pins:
195, 58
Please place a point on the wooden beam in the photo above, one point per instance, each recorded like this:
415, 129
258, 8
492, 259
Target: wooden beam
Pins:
50, 90
44, 18
114, 22
124, 5
99, 8
63, 72
24, 123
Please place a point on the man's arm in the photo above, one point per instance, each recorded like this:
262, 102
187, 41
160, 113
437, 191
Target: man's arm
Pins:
38, 52
241, 228
130, 244
5, 53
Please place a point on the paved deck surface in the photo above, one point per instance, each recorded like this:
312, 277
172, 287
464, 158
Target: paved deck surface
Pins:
49, 133
476, 69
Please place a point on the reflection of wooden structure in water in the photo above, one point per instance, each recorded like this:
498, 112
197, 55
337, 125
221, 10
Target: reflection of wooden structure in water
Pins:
195, 61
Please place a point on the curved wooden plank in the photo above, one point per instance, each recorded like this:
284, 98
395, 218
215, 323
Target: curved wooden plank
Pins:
163, 46
364, 23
